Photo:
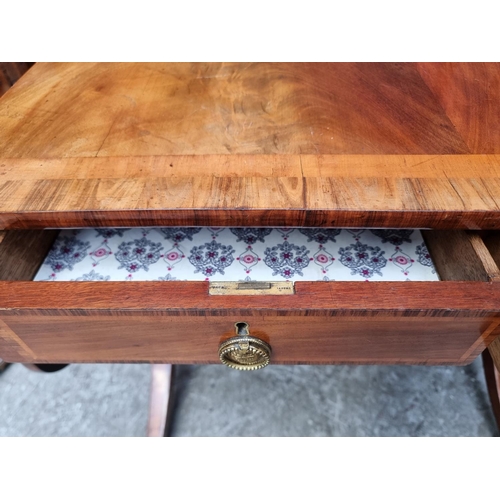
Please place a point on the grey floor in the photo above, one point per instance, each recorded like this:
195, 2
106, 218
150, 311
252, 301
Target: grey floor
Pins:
112, 400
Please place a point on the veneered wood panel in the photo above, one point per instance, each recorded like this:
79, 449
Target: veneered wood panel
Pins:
191, 298
470, 95
126, 109
459, 191
165, 322
283, 144
300, 340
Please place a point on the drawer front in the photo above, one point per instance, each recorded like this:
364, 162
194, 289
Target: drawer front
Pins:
321, 322
380, 322
159, 338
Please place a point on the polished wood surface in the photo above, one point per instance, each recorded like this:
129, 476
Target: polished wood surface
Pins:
342, 298
351, 145
376, 322
216, 108
470, 96
295, 339
256, 190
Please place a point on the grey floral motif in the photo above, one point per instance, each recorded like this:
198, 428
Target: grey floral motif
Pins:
66, 252
108, 232
178, 234
320, 235
356, 233
251, 235
285, 232
363, 259
424, 257
286, 259
168, 277
92, 276
138, 254
394, 236
211, 258
215, 231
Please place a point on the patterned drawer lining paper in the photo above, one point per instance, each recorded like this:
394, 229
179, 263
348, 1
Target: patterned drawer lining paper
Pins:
238, 254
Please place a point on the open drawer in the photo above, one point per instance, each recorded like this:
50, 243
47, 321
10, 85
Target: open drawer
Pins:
449, 321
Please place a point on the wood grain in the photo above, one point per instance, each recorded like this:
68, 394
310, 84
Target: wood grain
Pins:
84, 110
460, 256
494, 350
289, 144
260, 190
470, 96
12, 346
162, 338
437, 298
368, 322
23, 252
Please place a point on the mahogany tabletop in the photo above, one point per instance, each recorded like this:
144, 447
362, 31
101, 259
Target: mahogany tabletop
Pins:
240, 144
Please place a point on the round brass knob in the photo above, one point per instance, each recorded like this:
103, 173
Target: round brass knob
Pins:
244, 352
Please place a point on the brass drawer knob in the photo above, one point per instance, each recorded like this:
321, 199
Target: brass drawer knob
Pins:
244, 352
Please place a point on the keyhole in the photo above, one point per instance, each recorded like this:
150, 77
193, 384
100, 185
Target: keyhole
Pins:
241, 328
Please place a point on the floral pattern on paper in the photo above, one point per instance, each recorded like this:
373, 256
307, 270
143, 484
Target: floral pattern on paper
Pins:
323, 259
248, 259
138, 254
173, 256
67, 252
424, 257
237, 254
287, 259
211, 258
92, 276
103, 251
394, 236
363, 259
179, 234
108, 232
402, 260
320, 235
251, 235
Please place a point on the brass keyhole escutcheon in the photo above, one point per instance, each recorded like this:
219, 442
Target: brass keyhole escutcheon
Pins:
244, 352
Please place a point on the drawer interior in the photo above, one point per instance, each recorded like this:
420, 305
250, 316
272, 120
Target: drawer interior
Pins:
237, 254
450, 318
248, 254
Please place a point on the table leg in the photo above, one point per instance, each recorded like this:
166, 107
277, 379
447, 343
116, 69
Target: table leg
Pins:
492, 376
160, 402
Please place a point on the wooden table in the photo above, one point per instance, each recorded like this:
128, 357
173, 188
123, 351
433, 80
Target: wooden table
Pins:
297, 145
